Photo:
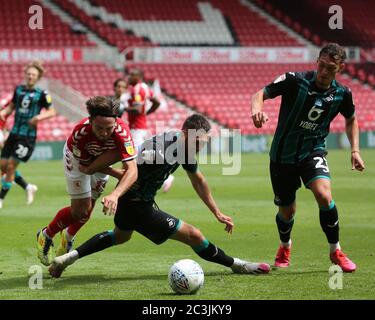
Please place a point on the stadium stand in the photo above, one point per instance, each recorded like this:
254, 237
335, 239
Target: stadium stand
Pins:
89, 79
310, 19
109, 33
223, 91
15, 32
214, 22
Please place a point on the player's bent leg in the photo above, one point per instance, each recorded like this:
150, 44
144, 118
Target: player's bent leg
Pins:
329, 222
193, 237
284, 222
3, 166
97, 243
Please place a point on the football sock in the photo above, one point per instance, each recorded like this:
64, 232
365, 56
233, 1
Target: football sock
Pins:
77, 225
208, 251
329, 221
97, 243
287, 244
62, 219
284, 227
5, 188
69, 237
334, 246
20, 180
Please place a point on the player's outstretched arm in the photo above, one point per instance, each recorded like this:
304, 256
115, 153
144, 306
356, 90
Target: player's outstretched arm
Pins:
51, 112
352, 131
129, 177
259, 117
102, 163
202, 189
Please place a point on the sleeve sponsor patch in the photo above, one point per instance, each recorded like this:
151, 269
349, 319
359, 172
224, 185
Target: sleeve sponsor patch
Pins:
129, 147
48, 99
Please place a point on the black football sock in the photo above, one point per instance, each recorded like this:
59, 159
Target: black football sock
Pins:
5, 188
212, 253
329, 221
284, 227
20, 180
97, 243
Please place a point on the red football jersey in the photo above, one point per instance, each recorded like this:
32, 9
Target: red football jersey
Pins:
86, 147
140, 96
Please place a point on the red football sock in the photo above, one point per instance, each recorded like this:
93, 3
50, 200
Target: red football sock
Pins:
62, 219
75, 226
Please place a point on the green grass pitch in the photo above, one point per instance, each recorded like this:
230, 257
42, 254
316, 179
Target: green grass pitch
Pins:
138, 269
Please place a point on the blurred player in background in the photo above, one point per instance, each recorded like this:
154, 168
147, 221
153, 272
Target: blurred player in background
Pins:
120, 87
137, 211
28, 102
4, 102
139, 102
310, 101
92, 136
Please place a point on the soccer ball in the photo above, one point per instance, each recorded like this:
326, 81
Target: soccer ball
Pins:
186, 277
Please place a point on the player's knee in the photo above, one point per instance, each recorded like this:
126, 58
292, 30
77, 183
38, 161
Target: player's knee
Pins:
288, 212
122, 237
323, 196
81, 212
194, 235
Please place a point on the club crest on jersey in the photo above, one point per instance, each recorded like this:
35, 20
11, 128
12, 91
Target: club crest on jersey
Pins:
129, 147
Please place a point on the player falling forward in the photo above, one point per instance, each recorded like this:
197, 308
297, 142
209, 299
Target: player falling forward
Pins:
92, 136
137, 211
28, 102
310, 101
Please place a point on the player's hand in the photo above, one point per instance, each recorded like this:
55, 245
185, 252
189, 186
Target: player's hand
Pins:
357, 162
110, 204
229, 224
33, 122
259, 119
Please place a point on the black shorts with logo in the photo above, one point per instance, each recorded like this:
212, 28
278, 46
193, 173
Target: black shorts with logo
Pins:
146, 218
286, 178
18, 147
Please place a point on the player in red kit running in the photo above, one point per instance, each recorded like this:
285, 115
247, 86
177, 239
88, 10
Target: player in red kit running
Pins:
91, 137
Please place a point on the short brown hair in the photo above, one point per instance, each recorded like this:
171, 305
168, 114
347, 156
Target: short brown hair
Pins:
118, 80
334, 51
102, 106
196, 122
37, 65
